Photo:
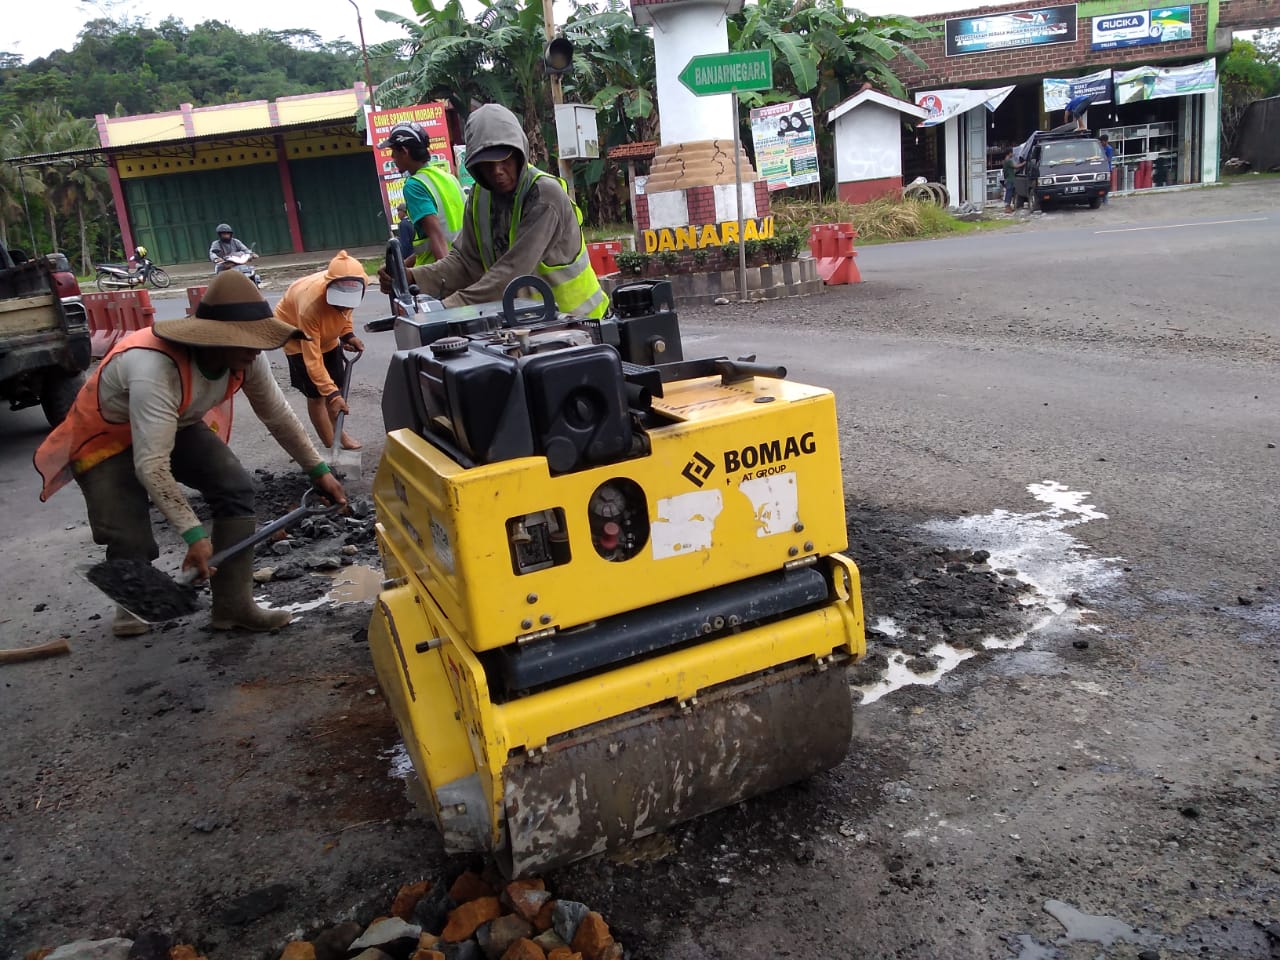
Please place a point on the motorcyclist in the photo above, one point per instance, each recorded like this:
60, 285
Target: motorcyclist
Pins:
227, 245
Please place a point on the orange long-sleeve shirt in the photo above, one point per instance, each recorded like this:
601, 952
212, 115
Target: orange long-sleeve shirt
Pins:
304, 306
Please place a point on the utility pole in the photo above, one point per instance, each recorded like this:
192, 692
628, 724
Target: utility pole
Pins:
368, 77
557, 95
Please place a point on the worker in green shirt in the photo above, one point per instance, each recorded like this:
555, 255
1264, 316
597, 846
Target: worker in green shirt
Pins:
431, 192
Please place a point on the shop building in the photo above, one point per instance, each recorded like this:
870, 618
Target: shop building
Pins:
993, 75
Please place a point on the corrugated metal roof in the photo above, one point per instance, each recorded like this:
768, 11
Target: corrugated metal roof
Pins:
101, 153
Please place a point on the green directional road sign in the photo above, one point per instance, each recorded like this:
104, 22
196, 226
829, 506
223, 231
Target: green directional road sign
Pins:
715, 73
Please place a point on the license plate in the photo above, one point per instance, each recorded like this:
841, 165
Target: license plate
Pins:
1075, 189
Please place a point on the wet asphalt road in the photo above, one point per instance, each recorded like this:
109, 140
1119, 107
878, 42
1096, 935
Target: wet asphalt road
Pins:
1129, 352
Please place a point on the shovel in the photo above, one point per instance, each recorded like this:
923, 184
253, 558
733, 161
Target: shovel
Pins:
345, 463
153, 597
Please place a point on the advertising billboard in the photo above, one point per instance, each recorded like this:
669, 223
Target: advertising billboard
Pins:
433, 120
1002, 31
1059, 92
1153, 83
786, 151
1140, 28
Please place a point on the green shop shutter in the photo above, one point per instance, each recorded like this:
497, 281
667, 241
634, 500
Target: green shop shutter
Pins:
339, 202
174, 216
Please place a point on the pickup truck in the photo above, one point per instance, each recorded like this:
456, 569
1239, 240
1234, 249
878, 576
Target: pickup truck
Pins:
1062, 166
44, 333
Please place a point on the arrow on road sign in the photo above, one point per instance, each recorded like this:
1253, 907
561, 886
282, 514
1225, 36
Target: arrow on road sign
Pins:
715, 73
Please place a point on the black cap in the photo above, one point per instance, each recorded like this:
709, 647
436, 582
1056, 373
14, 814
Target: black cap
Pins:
406, 134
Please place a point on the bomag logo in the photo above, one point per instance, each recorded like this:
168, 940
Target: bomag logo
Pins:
769, 452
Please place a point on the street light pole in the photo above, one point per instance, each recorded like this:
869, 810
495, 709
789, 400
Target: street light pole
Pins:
368, 77
557, 97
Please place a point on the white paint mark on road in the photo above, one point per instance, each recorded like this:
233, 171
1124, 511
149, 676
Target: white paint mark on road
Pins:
1036, 545
400, 766
1175, 226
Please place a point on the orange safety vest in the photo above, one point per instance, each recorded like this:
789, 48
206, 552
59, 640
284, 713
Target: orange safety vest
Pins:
86, 437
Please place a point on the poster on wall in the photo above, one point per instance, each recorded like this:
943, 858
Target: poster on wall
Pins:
1153, 83
1001, 31
1140, 28
1059, 92
432, 118
786, 150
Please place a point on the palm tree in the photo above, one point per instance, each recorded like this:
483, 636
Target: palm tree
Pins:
17, 185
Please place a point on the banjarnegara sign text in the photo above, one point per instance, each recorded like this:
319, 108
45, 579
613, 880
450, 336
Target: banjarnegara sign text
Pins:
695, 237
1003, 31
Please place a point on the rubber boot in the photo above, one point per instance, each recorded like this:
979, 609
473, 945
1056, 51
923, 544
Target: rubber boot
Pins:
232, 585
127, 625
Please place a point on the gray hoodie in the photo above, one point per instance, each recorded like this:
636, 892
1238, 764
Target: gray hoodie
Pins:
548, 230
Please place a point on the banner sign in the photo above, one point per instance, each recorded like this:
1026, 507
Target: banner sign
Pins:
786, 150
432, 118
1001, 31
1141, 27
1153, 83
942, 105
1059, 92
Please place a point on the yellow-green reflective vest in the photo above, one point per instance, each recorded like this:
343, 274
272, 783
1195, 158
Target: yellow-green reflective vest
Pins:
575, 286
447, 194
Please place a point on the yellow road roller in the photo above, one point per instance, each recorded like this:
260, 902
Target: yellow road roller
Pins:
614, 595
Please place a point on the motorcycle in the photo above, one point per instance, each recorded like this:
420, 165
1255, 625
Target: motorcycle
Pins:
239, 261
126, 276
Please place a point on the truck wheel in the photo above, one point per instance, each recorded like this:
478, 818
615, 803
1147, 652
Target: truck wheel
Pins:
58, 393
1095, 203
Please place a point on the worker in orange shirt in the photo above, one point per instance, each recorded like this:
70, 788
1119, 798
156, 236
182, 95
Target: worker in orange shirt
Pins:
320, 305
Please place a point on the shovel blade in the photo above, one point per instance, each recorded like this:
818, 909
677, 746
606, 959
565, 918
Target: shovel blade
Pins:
145, 591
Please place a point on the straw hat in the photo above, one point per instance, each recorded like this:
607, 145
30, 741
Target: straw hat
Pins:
232, 313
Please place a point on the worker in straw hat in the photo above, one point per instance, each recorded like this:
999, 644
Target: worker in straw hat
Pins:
320, 305
156, 413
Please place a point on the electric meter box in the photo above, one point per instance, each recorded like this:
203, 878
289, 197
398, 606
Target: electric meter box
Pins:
576, 132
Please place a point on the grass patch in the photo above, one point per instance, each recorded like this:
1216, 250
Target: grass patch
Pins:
882, 220
608, 231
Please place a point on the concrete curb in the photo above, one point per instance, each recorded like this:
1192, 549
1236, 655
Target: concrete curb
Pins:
795, 278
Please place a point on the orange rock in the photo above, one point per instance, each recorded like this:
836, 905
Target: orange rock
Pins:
407, 898
592, 936
298, 950
428, 941
527, 897
465, 919
470, 886
562, 953
183, 951
542, 921
524, 949
427, 955
39, 953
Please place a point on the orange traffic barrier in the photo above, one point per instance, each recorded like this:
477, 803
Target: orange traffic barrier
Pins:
194, 296
116, 314
602, 256
832, 246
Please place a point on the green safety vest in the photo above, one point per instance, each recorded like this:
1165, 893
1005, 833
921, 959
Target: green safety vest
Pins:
447, 194
575, 286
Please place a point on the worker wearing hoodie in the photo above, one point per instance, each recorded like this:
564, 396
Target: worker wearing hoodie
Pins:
518, 221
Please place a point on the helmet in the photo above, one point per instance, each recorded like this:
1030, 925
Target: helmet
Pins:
407, 134
224, 228
140, 251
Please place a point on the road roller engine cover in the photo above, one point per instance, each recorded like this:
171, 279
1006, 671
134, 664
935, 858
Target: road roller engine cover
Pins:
615, 598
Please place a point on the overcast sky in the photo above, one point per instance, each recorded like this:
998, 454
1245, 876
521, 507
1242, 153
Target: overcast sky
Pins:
38, 27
